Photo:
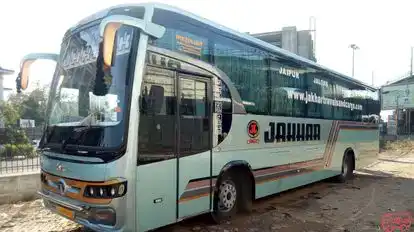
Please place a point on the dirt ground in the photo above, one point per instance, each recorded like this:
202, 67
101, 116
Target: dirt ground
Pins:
384, 187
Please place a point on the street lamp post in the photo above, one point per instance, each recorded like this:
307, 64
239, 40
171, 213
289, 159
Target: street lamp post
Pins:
353, 47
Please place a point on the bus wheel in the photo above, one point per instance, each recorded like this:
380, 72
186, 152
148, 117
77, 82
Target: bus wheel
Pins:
226, 198
347, 170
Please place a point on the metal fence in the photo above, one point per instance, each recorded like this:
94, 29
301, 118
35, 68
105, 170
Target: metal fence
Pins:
19, 165
20, 158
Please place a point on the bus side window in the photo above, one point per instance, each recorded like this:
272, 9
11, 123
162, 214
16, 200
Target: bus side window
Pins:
194, 115
152, 103
157, 115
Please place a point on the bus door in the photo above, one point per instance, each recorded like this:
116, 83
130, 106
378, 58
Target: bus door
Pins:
156, 186
174, 145
195, 142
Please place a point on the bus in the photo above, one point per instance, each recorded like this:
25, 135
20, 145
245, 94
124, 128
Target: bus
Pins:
156, 115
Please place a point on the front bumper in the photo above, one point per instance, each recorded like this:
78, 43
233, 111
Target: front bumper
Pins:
76, 211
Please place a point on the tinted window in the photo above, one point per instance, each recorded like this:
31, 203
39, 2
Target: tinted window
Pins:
245, 65
75, 98
247, 69
182, 35
194, 115
157, 115
344, 94
321, 87
267, 83
193, 98
287, 83
370, 102
366, 102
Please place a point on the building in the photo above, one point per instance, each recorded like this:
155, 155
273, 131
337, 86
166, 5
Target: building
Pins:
289, 38
6, 93
3, 72
397, 97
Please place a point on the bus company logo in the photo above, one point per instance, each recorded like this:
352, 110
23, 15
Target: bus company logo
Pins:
253, 131
396, 221
62, 187
291, 132
60, 168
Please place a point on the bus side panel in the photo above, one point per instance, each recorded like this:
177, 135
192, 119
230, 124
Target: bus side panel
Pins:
194, 185
194, 207
368, 150
367, 154
363, 139
156, 196
271, 187
281, 164
261, 154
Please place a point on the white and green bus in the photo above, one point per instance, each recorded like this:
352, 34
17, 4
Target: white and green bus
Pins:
156, 115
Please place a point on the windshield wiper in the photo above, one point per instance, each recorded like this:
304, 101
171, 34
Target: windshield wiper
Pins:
81, 130
46, 137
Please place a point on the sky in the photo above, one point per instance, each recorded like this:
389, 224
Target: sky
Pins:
382, 29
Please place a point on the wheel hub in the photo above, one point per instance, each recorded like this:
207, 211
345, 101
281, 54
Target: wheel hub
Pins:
227, 196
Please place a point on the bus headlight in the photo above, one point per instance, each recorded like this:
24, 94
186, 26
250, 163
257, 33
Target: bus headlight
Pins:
106, 191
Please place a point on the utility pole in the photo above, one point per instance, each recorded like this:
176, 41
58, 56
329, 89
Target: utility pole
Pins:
353, 47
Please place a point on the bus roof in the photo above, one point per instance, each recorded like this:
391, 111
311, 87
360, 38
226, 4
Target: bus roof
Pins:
267, 46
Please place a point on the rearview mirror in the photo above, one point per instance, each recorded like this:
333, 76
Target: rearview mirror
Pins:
109, 42
22, 79
110, 25
24, 73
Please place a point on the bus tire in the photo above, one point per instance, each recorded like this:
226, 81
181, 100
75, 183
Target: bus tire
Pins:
227, 197
347, 169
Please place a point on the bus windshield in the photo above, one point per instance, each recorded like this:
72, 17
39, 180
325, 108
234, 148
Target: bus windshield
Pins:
76, 115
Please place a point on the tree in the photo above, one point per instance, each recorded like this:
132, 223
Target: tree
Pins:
31, 105
34, 106
9, 114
